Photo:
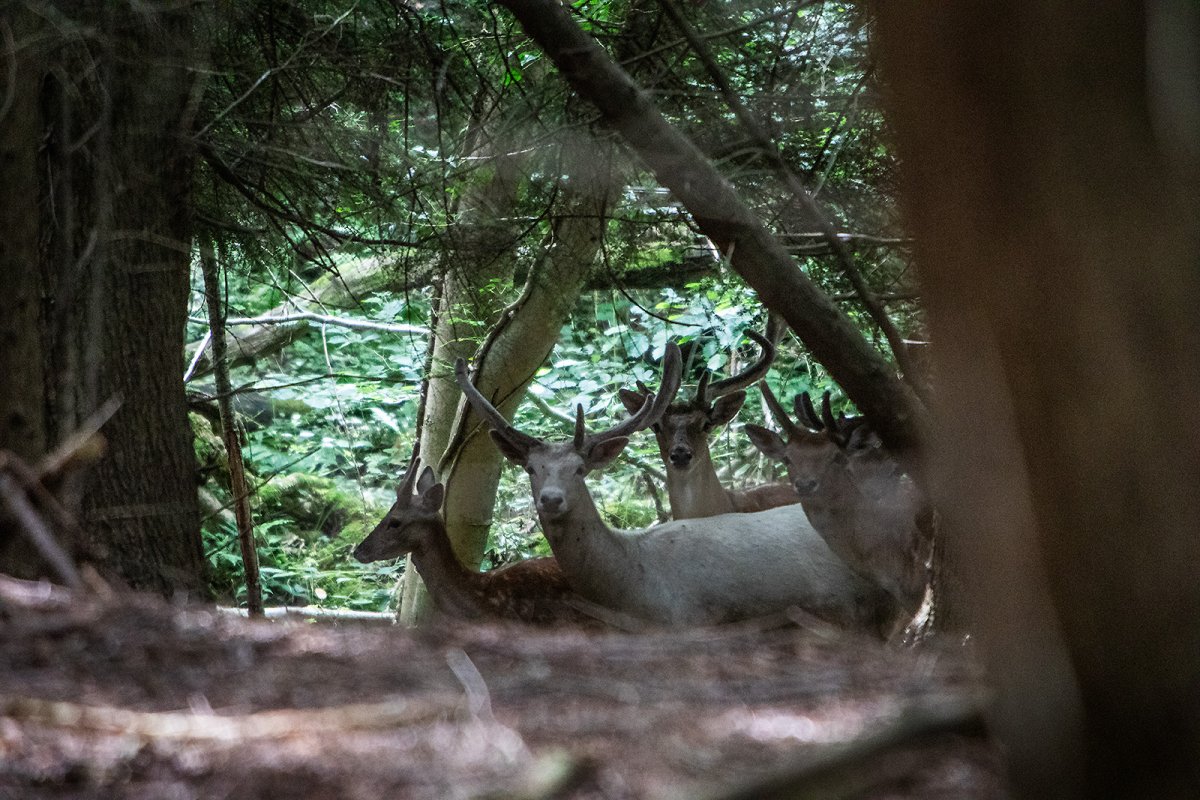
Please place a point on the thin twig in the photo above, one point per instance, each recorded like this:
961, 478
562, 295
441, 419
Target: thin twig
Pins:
233, 447
34, 528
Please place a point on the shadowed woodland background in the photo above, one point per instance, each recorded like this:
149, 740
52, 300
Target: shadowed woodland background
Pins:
1046, 162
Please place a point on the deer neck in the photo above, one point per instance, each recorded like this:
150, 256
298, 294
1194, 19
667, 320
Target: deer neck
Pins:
594, 557
697, 492
451, 585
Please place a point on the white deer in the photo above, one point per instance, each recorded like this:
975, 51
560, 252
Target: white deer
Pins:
684, 572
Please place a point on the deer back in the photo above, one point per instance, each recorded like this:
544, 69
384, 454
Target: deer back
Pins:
685, 572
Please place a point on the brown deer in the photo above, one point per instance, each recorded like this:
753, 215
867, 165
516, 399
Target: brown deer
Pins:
682, 433
683, 572
856, 496
533, 590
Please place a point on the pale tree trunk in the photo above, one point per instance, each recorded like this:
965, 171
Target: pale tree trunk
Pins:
342, 288
479, 258
517, 347
1051, 166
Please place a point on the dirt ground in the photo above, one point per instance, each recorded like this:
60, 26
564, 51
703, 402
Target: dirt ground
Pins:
131, 698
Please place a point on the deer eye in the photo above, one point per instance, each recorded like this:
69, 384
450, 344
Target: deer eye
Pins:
528, 470
579, 470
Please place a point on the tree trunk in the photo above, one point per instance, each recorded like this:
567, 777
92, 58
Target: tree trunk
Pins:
22, 394
519, 345
867, 378
346, 287
468, 304
1050, 159
143, 503
113, 274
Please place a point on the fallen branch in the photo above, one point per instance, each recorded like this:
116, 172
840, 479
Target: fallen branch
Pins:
324, 319
315, 612
186, 726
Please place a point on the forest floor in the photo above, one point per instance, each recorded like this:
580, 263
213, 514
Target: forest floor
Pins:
128, 697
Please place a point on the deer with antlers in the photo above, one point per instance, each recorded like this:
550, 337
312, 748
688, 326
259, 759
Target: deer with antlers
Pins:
693, 486
533, 590
856, 496
684, 572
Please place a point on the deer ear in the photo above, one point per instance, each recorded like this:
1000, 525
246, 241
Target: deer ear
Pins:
508, 449
725, 409
768, 442
426, 479
631, 400
431, 497
604, 452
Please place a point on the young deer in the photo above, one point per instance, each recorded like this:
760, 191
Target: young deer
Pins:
856, 497
534, 590
684, 572
682, 433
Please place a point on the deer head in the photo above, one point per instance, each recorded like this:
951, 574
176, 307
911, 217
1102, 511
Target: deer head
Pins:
818, 451
682, 431
557, 469
399, 532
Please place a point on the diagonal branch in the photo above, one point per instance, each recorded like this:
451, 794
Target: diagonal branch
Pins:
893, 408
769, 150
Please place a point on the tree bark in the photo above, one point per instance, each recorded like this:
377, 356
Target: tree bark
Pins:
867, 378
22, 393
143, 503
113, 201
1055, 207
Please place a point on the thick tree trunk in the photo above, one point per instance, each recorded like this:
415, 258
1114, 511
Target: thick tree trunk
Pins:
1050, 159
143, 504
753, 252
22, 392
112, 274
520, 345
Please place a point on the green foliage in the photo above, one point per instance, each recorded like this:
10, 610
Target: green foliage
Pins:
364, 132
295, 572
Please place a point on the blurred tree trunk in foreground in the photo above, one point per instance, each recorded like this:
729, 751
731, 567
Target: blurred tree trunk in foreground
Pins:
1051, 165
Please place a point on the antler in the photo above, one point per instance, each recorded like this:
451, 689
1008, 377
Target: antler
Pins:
706, 393
652, 408
777, 411
803, 406
484, 408
404, 488
839, 430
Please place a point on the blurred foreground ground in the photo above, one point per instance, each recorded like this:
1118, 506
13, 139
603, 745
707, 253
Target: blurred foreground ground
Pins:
132, 698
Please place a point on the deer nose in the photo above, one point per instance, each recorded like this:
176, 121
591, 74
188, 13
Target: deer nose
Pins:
550, 501
805, 486
680, 456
